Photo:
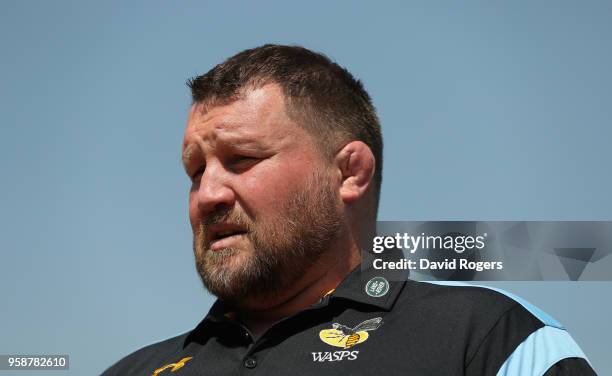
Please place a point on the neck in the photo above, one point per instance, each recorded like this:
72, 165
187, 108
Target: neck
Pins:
261, 312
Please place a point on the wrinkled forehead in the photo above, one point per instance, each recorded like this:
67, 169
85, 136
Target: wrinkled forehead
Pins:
258, 115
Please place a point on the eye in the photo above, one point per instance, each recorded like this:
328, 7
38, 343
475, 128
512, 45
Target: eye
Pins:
241, 163
197, 175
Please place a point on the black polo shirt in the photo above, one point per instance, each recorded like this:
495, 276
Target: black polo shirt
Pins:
375, 323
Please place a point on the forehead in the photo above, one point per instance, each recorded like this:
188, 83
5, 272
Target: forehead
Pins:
259, 115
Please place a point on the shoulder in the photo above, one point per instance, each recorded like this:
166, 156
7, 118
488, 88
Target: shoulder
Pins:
478, 300
500, 332
149, 357
459, 304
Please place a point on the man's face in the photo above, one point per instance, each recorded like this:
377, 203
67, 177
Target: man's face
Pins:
262, 206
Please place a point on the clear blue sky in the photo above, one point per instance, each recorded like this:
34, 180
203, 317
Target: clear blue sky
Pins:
490, 111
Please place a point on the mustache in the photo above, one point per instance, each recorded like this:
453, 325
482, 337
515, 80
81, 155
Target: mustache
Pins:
227, 217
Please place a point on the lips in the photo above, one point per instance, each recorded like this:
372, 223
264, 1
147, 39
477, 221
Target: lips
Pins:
221, 234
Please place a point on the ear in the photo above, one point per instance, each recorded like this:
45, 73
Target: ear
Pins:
356, 164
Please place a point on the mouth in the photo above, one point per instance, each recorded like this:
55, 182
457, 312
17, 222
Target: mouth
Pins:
220, 235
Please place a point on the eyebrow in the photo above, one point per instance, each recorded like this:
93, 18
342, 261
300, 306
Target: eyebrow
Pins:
244, 143
186, 156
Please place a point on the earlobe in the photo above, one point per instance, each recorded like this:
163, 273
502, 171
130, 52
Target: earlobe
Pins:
357, 164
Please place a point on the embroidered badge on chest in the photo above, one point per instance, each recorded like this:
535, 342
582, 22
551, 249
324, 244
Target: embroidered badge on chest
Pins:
346, 338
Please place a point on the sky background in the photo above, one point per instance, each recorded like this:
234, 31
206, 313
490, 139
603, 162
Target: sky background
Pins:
491, 111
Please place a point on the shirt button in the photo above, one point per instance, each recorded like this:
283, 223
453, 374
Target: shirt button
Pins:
250, 362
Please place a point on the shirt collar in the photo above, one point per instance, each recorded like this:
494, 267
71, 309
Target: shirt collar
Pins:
352, 288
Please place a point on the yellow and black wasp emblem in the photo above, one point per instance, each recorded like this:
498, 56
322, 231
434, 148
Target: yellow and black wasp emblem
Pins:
345, 337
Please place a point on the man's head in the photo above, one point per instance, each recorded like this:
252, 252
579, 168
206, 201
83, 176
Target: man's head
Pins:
280, 144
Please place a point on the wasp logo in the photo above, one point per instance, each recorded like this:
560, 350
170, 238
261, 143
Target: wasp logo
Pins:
174, 366
345, 337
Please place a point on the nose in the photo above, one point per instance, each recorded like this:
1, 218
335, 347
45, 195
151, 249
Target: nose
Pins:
215, 192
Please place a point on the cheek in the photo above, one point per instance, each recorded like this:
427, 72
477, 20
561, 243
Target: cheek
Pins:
266, 188
194, 211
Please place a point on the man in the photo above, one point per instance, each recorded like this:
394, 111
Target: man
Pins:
284, 151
